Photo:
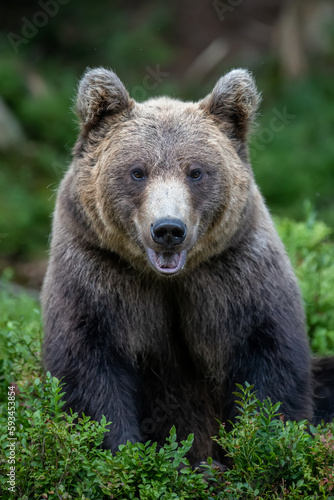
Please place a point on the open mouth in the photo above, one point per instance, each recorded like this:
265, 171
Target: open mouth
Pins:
167, 263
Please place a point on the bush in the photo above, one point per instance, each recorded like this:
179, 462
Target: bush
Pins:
20, 339
311, 250
273, 458
53, 451
59, 456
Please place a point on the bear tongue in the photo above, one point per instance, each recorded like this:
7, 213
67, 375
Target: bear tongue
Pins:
167, 263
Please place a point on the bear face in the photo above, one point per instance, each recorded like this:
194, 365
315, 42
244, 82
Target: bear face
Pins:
165, 184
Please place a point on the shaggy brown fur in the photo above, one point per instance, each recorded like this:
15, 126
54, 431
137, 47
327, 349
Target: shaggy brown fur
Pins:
167, 283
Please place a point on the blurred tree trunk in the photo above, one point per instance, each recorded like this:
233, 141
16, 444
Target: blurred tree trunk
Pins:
291, 49
301, 32
11, 132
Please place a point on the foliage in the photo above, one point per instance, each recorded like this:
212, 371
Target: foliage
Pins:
52, 450
311, 250
20, 338
273, 458
291, 148
30, 173
146, 472
59, 456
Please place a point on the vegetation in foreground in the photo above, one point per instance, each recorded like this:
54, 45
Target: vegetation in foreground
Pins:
58, 457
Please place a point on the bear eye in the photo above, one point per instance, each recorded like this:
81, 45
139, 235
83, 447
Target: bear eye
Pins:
138, 174
196, 174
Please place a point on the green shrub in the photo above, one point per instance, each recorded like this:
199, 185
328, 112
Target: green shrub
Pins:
146, 472
311, 250
52, 450
273, 458
59, 456
20, 339
30, 173
295, 161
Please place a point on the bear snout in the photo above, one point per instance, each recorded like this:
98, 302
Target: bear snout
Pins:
168, 233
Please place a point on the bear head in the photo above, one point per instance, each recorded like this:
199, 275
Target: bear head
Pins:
165, 184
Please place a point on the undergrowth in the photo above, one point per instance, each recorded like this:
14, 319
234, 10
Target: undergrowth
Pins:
58, 456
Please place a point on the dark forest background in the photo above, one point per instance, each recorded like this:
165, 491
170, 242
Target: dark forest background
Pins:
179, 48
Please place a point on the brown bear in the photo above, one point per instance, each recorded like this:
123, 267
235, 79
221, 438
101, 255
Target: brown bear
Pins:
167, 283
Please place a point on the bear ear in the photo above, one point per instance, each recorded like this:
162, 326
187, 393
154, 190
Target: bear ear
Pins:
234, 101
100, 92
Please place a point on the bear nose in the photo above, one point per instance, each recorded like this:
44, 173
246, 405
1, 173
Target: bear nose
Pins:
168, 232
